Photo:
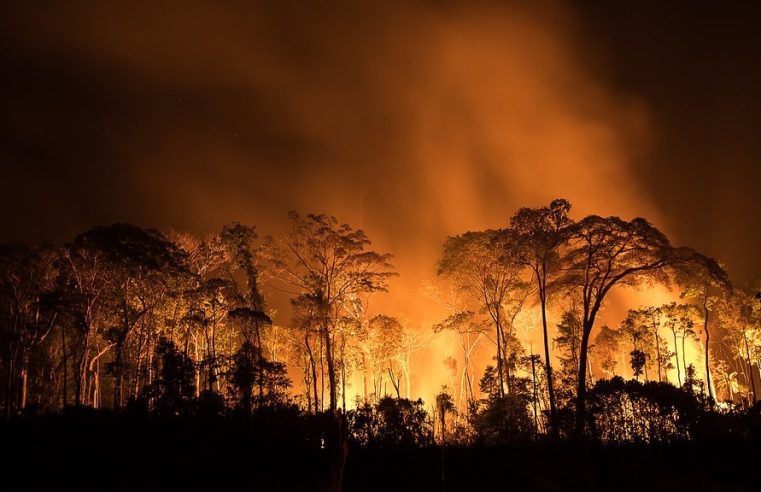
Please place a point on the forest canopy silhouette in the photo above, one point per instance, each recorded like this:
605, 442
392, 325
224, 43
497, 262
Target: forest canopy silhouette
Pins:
124, 316
137, 323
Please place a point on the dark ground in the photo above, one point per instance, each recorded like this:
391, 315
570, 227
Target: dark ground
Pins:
128, 453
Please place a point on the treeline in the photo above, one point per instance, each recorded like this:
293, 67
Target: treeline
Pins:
123, 314
137, 320
547, 269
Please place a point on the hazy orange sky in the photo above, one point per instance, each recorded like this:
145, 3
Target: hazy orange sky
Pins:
415, 120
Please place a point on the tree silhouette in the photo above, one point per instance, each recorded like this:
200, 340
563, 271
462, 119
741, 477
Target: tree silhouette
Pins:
139, 263
638, 332
250, 369
27, 276
329, 262
444, 406
173, 391
386, 350
705, 281
739, 330
475, 264
391, 422
180, 323
678, 318
568, 341
470, 333
538, 235
637, 360
604, 253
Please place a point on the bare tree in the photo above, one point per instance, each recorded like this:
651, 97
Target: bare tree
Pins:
706, 282
27, 274
678, 318
328, 261
475, 264
470, 332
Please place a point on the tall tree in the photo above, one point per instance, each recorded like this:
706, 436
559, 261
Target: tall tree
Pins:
173, 389
27, 274
604, 253
475, 264
649, 320
242, 255
704, 281
538, 236
329, 261
412, 342
471, 328
81, 296
470, 332
138, 263
385, 336
678, 318
308, 317
740, 330
654, 318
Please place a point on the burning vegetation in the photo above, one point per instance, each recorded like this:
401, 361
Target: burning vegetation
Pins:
131, 319
137, 323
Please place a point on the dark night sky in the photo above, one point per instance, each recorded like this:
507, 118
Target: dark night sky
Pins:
429, 117
698, 67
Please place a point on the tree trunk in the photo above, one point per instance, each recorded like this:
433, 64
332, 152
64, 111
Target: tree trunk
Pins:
322, 373
581, 394
364, 375
331, 371
307, 385
647, 376
214, 379
658, 352
708, 336
343, 384
260, 355
82, 369
313, 365
408, 381
500, 355
676, 356
467, 349
118, 376
547, 362
533, 378
150, 366
24, 377
139, 369
394, 382
750, 367
197, 368
65, 372
317, 401
463, 385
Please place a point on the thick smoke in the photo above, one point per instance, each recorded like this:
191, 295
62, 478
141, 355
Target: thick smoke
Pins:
412, 121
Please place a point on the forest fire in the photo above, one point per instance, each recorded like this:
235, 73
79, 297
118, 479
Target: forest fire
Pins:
350, 233
133, 299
